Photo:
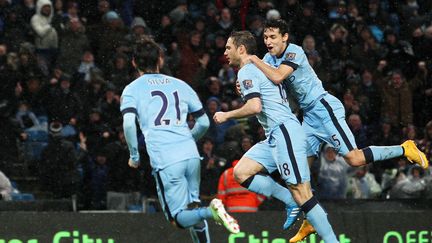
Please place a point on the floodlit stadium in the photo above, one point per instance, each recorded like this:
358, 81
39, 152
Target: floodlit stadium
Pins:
259, 121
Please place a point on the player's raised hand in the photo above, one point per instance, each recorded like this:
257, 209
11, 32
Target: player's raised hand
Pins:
220, 117
133, 164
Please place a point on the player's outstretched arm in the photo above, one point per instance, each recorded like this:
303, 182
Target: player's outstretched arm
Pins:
130, 133
252, 107
276, 75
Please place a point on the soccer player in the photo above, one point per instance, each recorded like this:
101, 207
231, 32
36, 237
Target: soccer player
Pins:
285, 147
324, 115
161, 104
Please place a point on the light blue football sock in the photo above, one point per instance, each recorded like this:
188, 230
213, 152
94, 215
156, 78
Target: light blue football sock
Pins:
378, 153
266, 186
318, 218
190, 217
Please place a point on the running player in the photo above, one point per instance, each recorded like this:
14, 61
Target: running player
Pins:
285, 146
161, 104
324, 115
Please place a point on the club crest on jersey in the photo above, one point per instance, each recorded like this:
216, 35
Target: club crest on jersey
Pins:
247, 83
290, 56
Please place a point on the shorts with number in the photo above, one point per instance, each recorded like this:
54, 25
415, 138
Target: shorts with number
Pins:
325, 122
284, 150
177, 186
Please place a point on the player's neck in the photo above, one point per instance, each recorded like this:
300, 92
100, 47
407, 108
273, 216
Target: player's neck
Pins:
244, 60
284, 47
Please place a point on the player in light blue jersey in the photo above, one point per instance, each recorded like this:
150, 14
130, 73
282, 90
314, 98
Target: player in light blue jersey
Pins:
324, 115
161, 105
285, 146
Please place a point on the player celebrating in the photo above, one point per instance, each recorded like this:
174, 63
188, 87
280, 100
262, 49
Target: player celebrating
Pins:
285, 146
161, 103
324, 114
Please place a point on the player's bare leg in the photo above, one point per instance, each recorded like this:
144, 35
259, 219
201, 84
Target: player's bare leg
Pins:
246, 173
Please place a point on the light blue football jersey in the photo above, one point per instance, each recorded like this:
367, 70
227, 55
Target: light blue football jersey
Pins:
303, 83
162, 104
275, 106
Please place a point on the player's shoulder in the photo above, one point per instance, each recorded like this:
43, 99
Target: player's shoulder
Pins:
248, 69
293, 48
267, 57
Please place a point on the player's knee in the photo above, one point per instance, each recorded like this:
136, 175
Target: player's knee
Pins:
174, 222
355, 158
239, 174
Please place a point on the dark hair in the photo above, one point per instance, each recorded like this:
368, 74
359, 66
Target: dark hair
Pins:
146, 54
277, 24
244, 38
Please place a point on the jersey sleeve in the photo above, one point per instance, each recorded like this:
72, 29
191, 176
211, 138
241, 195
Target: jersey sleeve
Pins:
128, 102
294, 57
194, 104
249, 84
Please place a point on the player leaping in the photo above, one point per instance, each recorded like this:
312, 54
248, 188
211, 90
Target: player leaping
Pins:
324, 114
161, 103
285, 146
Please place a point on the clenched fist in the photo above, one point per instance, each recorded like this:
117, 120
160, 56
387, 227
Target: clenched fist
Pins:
220, 117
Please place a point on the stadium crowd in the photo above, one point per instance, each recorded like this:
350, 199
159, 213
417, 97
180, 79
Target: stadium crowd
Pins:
64, 64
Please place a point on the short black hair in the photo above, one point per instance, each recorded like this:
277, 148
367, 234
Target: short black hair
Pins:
277, 24
244, 38
146, 53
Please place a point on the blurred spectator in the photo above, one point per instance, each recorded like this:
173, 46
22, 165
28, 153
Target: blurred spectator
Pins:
164, 33
421, 86
256, 26
399, 53
16, 29
304, 21
62, 103
58, 170
179, 13
213, 88
113, 29
211, 165
33, 92
99, 170
411, 186
46, 39
5, 188
311, 52
359, 131
368, 51
362, 185
9, 132
236, 198
217, 131
73, 43
96, 131
193, 61
332, 177
226, 22
370, 94
87, 65
119, 74
397, 100
246, 143
139, 29
121, 178
110, 107
25, 117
